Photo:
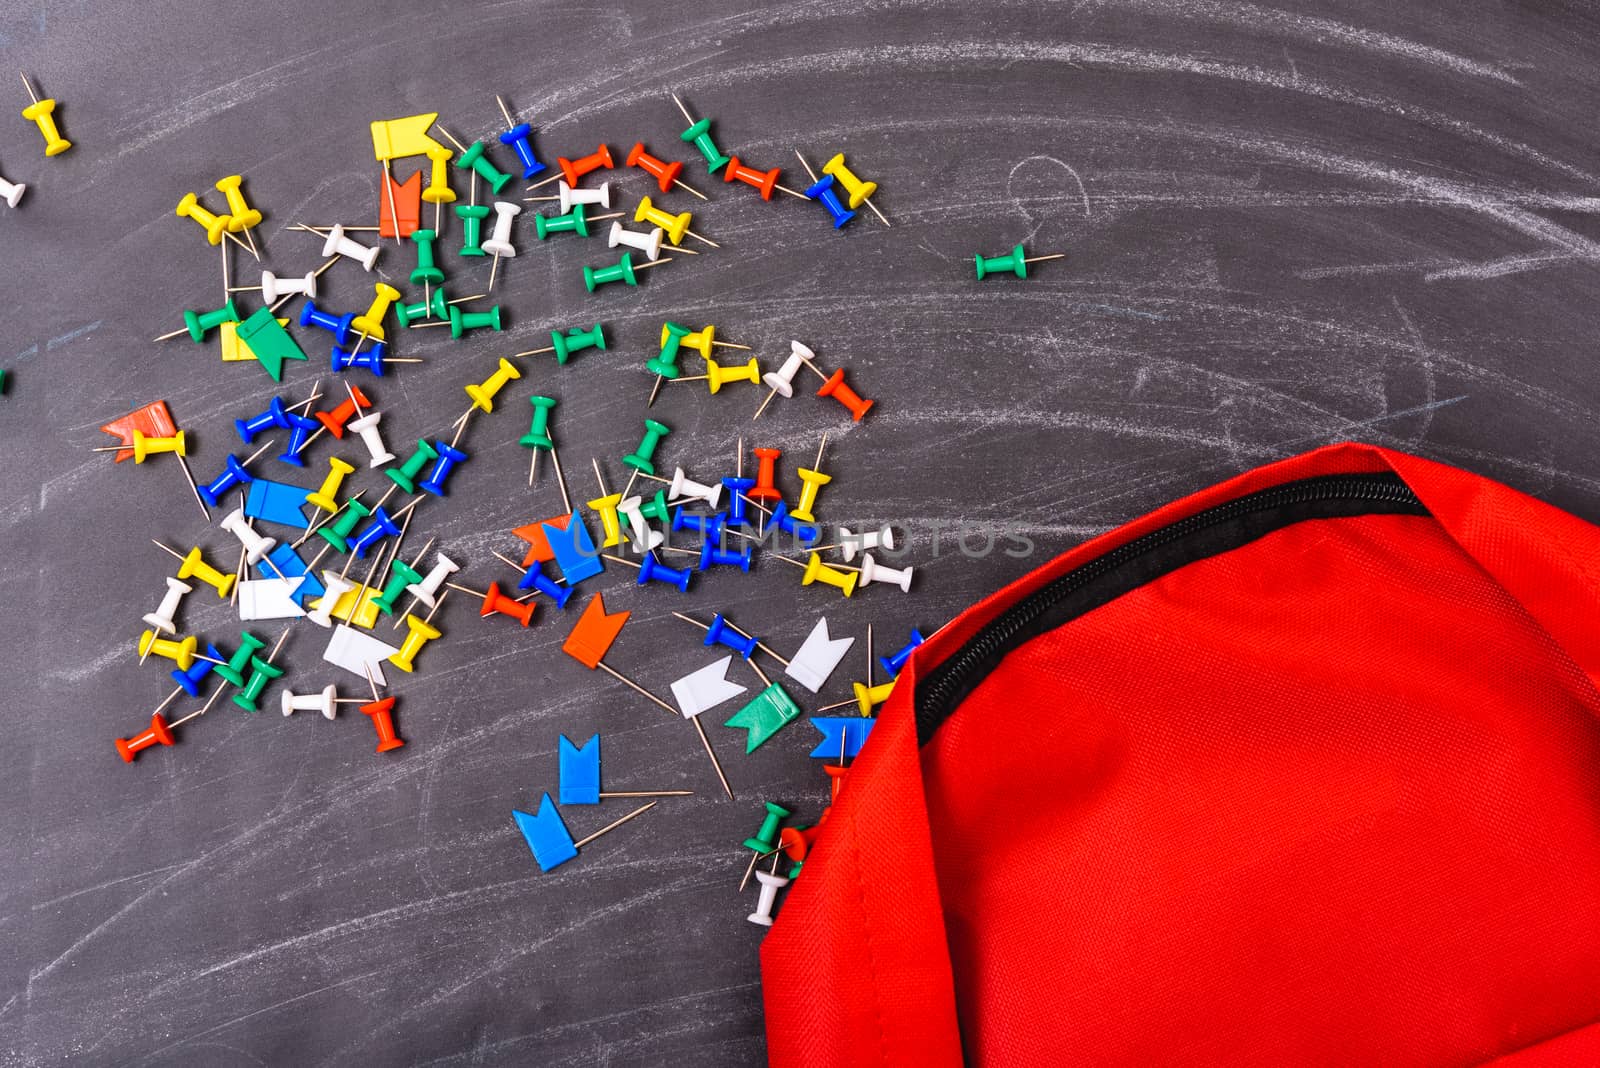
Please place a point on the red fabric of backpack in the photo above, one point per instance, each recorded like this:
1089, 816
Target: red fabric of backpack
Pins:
1301, 770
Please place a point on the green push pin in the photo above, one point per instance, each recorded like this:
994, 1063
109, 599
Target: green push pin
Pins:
699, 135
461, 322
201, 323
426, 270
400, 577
474, 159
436, 308
770, 710
576, 340
261, 673
538, 435
338, 532
766, 839
575, 221
1014, 263
472, 216
656, 508
621, 271
233, 670
2, 381
405, 476
640, 459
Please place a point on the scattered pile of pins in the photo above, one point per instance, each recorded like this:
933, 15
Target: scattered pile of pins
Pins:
735, 519
42, 113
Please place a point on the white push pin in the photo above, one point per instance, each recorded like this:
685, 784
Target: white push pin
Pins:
872, 571
427, 591
781, 381
499, 243
336, 586
684, 486
644, 539
771, 883
850, 544
326, 702
161, 620
372, 438
12, 191
255, 545
273, 287
349, 246
571, 196
649, 244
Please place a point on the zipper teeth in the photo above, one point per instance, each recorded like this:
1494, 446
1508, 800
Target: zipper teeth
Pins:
998, 633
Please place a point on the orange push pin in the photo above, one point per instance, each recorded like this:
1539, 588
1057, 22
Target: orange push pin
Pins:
42, 113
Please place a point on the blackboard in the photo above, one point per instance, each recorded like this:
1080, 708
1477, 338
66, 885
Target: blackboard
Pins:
1285, 225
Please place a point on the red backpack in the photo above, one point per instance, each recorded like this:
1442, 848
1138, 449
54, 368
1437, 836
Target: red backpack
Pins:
1301, 770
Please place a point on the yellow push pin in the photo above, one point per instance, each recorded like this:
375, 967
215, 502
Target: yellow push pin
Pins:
42, 113
241, 216
214, 225
371, 324
483, 393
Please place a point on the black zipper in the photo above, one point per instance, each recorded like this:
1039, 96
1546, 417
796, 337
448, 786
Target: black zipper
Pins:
1147, 557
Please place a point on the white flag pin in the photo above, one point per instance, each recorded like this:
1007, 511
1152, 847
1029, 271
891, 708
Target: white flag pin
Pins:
270, 598
358, 653
818, 657
705, 689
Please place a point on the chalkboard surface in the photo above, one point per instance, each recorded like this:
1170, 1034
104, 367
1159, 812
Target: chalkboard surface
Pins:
1285, 225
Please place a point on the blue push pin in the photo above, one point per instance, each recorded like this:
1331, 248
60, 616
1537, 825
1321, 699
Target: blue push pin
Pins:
573, 549
822, 191
234, 474
711, 556
300, 430
192, 681
337, 325
549, 838
721, 632
520, 138
807, 534
381, 526
368, 359
709, 527
276, 416
446, 461
535, 579
894, 664
652, 569
738, 504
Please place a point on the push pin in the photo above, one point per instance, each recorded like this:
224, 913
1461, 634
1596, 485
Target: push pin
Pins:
427, 591
653, 570
718, 374
579, 770
834, 386
337, 325
866, 699
574, 340
435, 306
647, 243
621, 271
821, 190
872, 571
419, 632
325, 701
573, 170
371, 322
1016, 262
438, 191
483, 393
198, 324
42, 114
473, 159
426, 272
193, 565
534, 579
256, 545
336, 420
262, 672
606, 507
337, 531
161, 620
896, 663
443, 464
699, 135
372, 438
499, 243
640, 459
806, 534
814, 481
472, 216
324, 499
765, 841
519, 135
665, 174
766, 488
857, 191
146, 447
381, 712
575, 221
495, 602
181, 653
336, 243
538, 436
817, 571
550, 841
12, 191
302, 429
272, 288
242, 218
592, 636
771, 882
781, 381
399, 578
851, 542
763, 181
461, 322
683, 487
644, 539
215, 226
702, 340
676, 226
569, 198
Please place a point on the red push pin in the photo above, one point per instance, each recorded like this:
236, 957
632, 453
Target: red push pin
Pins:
833, 386
666, 174
335, 420
835, 773
766, 488
382, 713
496, 602
157, 734
574, 169
764, 181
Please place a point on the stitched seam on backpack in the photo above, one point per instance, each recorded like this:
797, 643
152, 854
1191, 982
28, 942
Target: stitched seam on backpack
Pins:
872, 959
